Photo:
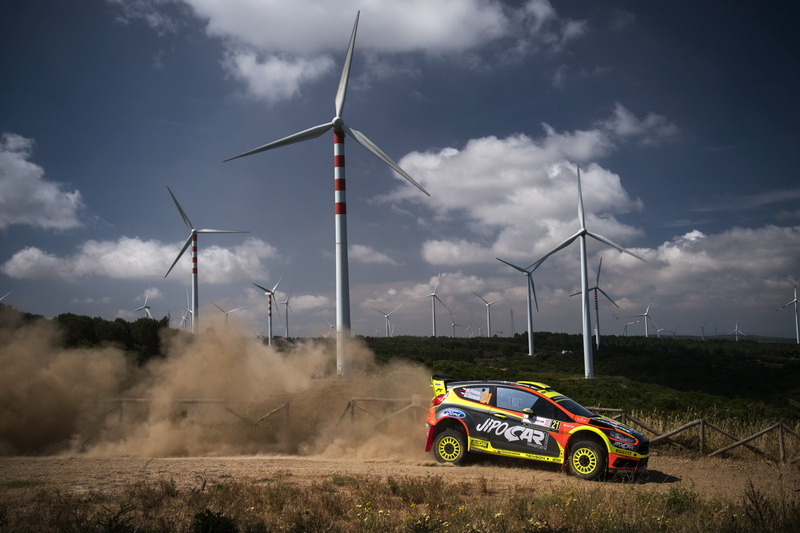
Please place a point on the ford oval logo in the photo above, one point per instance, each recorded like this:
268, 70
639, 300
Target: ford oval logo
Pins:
455, 413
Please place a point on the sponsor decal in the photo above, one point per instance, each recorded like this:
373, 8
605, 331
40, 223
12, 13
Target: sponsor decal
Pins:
624, 445
513, 433
476, 395
478, 443
455, 413
542, 422
623, 452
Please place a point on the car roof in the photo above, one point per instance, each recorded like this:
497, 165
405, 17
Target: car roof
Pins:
533, 385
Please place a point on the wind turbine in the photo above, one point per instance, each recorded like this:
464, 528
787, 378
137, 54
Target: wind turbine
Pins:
702, 330
286, 309
453, 324
226, 312
145, 307
793, 302
531, 290
386, 316
269, 293
647, 317
588, 362
433, 296
193, 241
488, 313
597, 289
340, 208
737, 332
625, 328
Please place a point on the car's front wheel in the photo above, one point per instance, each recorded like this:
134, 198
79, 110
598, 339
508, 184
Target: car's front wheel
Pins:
587, 459
450, 447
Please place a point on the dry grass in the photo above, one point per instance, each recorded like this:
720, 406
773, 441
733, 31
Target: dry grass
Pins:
349, 504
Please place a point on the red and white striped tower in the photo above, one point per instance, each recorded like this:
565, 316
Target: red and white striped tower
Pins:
193, 241
339, 129
195, 303
342, 271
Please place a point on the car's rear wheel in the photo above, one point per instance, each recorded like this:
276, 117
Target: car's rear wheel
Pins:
587, 459
450, 447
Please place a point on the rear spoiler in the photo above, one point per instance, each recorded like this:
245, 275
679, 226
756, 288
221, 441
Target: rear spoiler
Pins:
439, 384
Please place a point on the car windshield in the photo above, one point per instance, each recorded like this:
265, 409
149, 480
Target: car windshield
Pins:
574, 407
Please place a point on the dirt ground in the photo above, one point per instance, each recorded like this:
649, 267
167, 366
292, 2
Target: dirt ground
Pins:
723, 479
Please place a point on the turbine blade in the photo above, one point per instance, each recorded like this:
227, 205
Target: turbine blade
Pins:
276, 285
535, 264
266, 290
607, 296
533, 288
613, 244
512, 266
341, 93
310, 133
185, 246
180, 209
218, 307
597, 282
395, 309
581, 216
372, 147
481, 297
222, 231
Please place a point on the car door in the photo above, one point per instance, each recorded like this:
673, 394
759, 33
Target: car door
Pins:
475, 401
522, 421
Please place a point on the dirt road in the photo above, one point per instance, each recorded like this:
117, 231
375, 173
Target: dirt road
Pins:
709, 477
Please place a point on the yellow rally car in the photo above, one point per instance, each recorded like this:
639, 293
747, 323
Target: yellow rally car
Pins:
528, 420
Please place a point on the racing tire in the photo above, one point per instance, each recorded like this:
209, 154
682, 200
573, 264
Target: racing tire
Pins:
450, 446
587, 460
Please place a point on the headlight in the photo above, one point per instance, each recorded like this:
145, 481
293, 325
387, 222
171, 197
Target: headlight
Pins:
622, 437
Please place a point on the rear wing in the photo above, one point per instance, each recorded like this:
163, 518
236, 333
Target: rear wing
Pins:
439, 384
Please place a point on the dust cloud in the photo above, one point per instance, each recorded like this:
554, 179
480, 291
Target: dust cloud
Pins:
217, 393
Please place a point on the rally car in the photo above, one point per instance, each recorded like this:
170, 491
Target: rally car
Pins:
529, 420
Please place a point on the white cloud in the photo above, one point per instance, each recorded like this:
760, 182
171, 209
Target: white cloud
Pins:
275, 78
518, 194
274, 46
653, 129
365, 254
133, 258
26, 198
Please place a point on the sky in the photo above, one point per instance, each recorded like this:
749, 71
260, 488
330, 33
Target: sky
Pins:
681, 115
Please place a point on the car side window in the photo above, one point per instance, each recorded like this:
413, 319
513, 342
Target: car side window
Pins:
515, 399
482, 395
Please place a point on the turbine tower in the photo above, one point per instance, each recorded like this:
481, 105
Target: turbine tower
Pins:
433, 296
269, 294
488, 313
588, 359
386, 316
340, 207
193, 241
597, 289
531, 290
796, 322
